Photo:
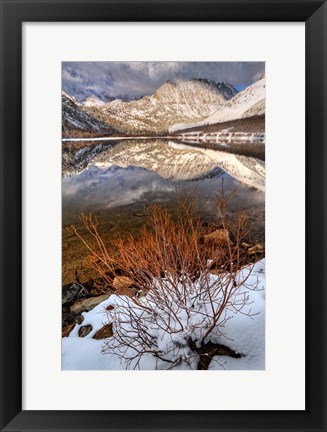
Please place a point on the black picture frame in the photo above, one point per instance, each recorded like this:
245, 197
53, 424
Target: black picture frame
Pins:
13, 14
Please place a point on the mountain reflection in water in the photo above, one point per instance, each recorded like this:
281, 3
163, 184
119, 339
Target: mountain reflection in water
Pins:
125, 176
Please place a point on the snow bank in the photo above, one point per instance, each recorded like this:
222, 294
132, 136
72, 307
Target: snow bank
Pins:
242, 333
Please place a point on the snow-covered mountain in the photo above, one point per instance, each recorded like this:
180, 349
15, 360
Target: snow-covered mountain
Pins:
181, 102
76, 122
249, 102
173, 107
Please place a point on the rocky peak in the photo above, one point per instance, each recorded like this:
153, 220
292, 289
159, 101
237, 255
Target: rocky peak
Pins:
225, 89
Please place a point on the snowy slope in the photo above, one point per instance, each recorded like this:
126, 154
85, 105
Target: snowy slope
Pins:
247, 103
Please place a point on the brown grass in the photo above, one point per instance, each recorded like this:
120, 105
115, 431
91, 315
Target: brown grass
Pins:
164, 261
165, 245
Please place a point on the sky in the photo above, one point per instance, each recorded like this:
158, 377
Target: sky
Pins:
135, 79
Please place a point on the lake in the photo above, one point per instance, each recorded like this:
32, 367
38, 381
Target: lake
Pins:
117, 180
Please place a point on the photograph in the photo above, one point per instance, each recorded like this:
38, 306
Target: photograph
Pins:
163, 215
157, 157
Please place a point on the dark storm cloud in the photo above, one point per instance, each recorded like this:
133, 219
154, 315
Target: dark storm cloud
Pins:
143, 78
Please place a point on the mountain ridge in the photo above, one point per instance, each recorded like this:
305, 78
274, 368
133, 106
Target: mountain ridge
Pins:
172, 107
173, 101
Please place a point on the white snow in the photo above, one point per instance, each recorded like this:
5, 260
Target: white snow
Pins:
242, 333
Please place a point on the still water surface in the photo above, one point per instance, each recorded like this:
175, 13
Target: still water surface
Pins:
117, 181
126, 176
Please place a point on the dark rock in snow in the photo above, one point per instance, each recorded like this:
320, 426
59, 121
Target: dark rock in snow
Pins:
84, 331
104, 332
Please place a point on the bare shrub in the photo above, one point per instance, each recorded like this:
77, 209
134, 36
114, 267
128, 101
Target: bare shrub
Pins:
182, 307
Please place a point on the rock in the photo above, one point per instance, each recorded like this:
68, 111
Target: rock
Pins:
72, 292
220, 236
67, 329
110, 307
66, 317
258, 248
85, 330
79, 319
121, 282
83, 305
104, 332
